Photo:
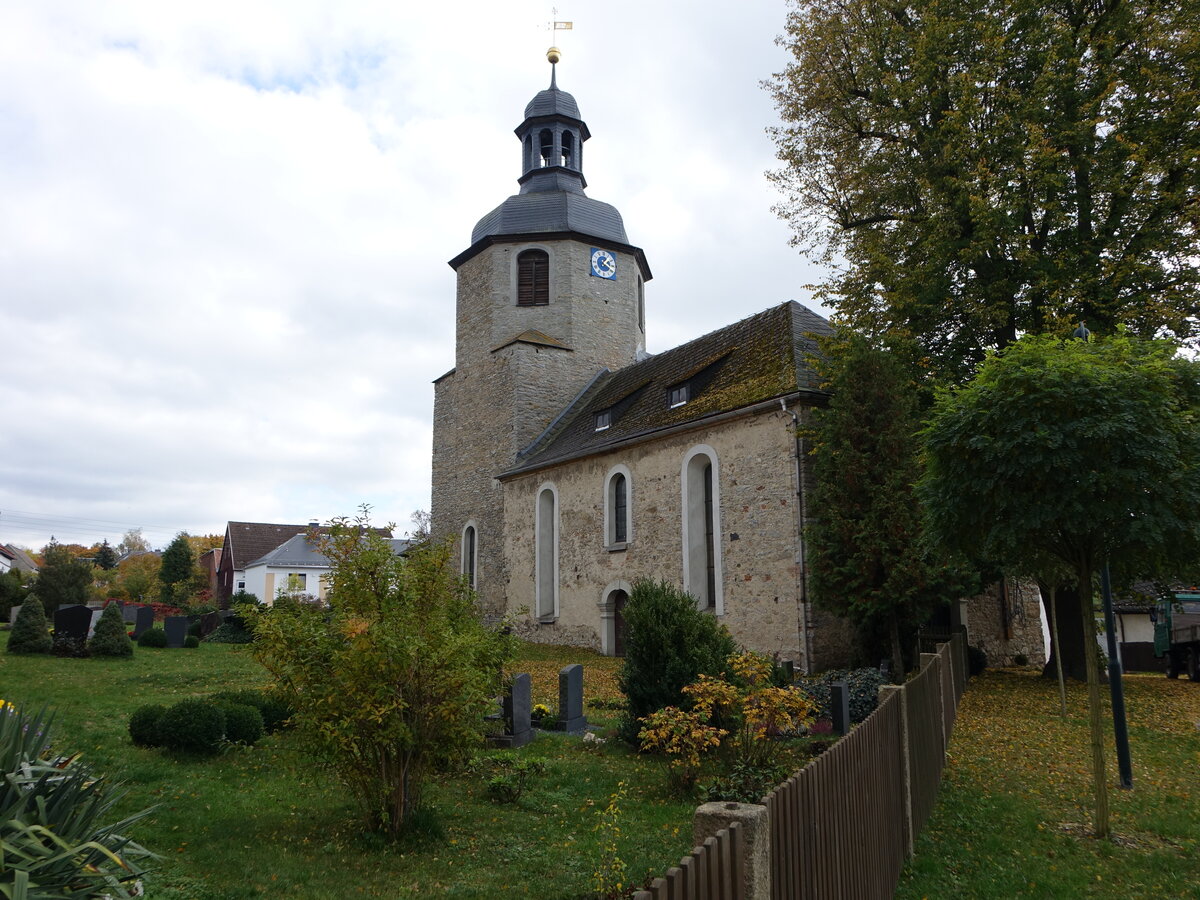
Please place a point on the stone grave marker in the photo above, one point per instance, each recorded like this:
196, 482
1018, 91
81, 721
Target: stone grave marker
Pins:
839, 702
129, 613
177, 629
72, 621
570, 700
209, 623
96, 614
789, 671
518, 703
143, 621
13, 613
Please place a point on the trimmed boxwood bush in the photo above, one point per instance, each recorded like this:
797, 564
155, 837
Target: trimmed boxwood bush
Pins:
243, 723
30, 632
110, 637
668, 643
274, 711
193, 726
191, 642
143, 725
153, 637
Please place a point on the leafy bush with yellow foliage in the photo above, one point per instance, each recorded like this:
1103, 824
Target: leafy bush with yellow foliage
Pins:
394, 679
739, 712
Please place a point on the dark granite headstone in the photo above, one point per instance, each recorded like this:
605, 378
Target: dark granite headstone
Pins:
144, 620
839, 703
518, 703
177, 630
570, 700
73, 621
789, 671
209, 623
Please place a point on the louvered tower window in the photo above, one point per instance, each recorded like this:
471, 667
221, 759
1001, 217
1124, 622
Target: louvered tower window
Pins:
533, 278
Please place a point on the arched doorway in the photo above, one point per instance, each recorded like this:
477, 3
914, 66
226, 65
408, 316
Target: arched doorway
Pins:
618, 599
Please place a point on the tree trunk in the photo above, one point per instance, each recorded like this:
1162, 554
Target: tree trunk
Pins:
1095, 722
1068, 644
1052, 606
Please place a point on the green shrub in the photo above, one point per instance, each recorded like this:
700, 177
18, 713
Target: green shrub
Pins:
193, 726
153, 637
231, 632
57, 839
143, 725
510, 775
30, 633
1020, 659
864, 691
275, 713
110, 637
191, 642
243, 723
668, 643
70, 647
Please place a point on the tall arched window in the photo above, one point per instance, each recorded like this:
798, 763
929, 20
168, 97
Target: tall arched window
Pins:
470, 553
546, 553
618, 529
568, 150
546, 146
701, 528
533, 278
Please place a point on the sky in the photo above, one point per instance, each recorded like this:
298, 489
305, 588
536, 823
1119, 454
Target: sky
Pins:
225, 227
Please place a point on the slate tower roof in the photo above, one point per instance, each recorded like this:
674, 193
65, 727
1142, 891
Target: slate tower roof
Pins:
551, 200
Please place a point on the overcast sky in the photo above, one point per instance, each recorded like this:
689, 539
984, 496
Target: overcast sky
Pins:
224, 229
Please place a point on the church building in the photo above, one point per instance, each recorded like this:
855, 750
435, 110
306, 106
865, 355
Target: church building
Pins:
569, 463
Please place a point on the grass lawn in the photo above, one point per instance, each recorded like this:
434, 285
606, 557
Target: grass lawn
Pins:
1014, 811
267, 822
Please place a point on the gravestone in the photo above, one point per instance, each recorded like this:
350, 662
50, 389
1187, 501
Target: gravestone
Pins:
143, 621
789, 671
96, 614
129, 614
570, 700
72, 621
177, 630
839, 704
12, 615
209, 623
518, 703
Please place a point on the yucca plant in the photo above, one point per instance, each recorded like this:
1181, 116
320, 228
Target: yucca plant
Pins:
54, 840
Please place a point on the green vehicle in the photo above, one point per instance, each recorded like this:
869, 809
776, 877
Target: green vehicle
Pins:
1177, 633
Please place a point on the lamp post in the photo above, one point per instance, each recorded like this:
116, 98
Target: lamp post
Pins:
1115, 684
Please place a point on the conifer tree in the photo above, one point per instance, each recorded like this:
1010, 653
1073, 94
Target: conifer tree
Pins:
30, 633
110, 637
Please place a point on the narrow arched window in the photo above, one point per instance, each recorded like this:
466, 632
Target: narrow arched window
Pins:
568, 149
470, 554
618, 528
546, 145
533, 278
701, 529
546, 554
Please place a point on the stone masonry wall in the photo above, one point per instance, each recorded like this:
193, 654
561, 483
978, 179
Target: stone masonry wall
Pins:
1005, 624
758, 520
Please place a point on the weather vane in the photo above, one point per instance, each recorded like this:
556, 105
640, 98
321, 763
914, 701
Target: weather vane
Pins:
556, 24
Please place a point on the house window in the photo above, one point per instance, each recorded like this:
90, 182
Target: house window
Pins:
470, 554
701, 528
679, 395
241, 585
546, 553
603, 420
618, 530
533, 278
296, 583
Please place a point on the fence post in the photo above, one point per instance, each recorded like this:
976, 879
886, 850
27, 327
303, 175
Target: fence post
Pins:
755, 839
885, 691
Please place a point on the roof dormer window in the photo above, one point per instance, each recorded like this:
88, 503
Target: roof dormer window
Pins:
679, 395
603, 420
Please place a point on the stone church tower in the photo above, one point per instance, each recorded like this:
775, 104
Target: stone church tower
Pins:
550, 297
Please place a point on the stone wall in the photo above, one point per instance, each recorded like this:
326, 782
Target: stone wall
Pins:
1006, 620
760, 596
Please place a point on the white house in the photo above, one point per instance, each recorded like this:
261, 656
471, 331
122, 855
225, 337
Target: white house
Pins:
295, 567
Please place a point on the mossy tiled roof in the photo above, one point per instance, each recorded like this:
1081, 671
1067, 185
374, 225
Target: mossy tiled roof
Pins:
757, 359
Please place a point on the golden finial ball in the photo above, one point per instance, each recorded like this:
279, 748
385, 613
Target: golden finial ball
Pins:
553, 55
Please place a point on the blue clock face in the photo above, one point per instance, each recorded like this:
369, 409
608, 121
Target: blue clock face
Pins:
604, 264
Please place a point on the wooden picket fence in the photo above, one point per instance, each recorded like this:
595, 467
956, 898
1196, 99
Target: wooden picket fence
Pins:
843, 826
714, 871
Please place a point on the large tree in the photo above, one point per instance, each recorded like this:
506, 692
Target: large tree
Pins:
1085, 452
867, 556
62, 579
178, 566
981, 169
